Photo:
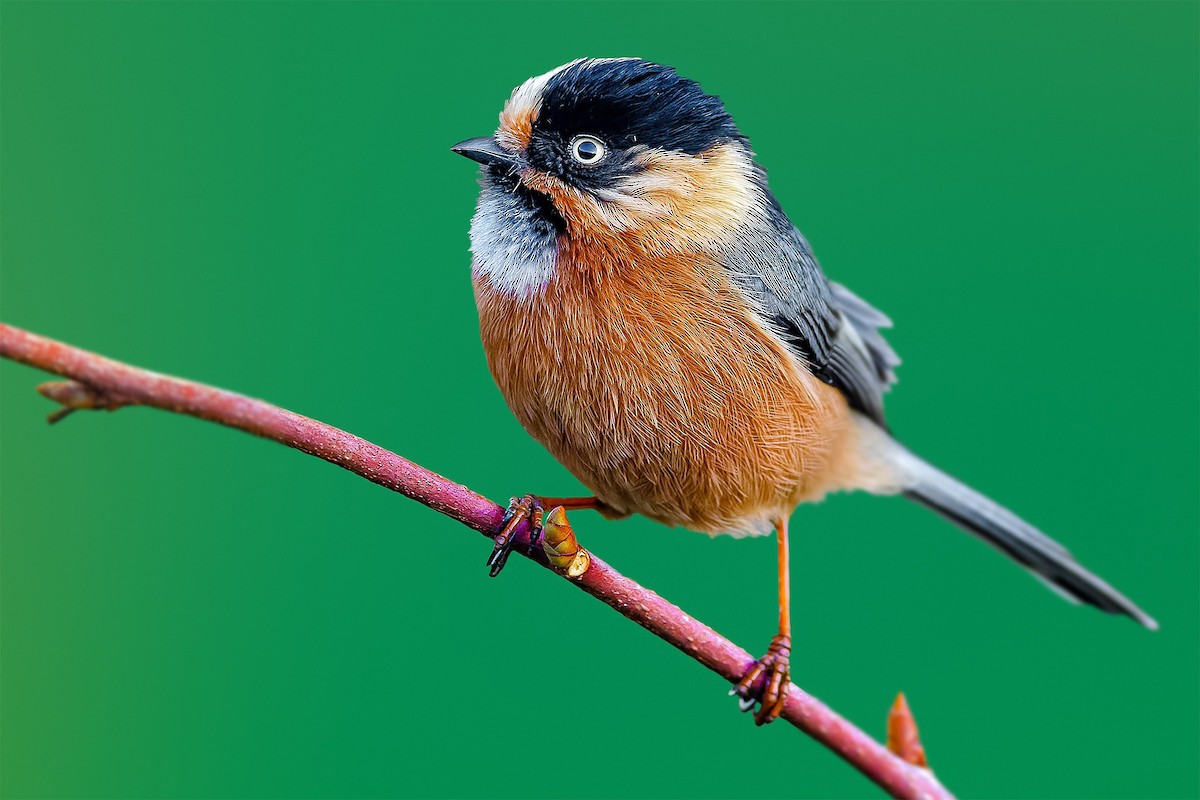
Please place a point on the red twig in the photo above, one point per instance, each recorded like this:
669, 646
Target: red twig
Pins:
103, 383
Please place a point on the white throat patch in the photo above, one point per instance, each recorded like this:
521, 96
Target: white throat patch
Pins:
514, 249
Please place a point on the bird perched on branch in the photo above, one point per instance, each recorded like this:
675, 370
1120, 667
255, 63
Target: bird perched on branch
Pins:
653, 318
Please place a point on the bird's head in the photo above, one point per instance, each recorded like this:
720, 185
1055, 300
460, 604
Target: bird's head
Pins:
622, 148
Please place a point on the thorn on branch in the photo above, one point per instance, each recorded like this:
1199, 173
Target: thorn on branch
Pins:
902, 736
75, 396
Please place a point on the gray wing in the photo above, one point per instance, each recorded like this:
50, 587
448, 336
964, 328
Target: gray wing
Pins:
833, 330
863, 359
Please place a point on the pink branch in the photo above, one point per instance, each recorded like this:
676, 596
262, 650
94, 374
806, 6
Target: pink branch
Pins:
104, 383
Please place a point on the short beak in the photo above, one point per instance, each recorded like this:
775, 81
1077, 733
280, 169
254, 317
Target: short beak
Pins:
485, 150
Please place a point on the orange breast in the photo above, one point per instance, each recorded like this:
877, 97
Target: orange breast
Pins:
650, 380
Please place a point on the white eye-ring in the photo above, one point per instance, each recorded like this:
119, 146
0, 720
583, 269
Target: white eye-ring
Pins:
587, 150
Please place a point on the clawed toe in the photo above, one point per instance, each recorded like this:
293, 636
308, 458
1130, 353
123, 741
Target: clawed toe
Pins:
774, 670
519, 508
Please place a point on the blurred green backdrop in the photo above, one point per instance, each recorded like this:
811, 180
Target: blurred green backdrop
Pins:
261, 196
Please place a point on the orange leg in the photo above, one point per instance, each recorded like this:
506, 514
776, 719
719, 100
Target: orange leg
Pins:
531, 507
774, 669
571, 503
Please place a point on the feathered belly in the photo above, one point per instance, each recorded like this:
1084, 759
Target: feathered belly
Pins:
668, 401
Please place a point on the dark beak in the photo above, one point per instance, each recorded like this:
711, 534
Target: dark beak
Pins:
485, 150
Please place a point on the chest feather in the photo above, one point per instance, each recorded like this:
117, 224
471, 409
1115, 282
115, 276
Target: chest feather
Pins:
656, 386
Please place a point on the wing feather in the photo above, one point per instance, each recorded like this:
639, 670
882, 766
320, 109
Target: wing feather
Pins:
832, 330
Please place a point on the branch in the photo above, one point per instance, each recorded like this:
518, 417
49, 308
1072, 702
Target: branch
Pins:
98, 382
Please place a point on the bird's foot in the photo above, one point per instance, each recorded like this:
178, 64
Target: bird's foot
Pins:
774, 670
519, 508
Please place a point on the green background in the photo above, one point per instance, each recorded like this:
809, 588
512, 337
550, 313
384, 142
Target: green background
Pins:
261, 196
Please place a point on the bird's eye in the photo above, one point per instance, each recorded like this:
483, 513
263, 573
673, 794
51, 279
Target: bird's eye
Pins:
587, 150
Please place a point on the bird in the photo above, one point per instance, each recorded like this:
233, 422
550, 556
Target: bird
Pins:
654, 319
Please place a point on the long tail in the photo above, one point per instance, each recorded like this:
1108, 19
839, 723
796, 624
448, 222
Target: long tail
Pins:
1011, 535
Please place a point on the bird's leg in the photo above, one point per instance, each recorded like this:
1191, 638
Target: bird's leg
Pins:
531, 507
774, 669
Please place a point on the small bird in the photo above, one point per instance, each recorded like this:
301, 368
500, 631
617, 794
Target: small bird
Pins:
656, 321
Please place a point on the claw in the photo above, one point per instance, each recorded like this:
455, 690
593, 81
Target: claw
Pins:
775, 670
519, 508
536, 525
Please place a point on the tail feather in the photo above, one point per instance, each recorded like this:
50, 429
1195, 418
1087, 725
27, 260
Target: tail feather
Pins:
999, 527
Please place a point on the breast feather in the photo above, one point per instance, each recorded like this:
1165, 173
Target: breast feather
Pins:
660, 390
